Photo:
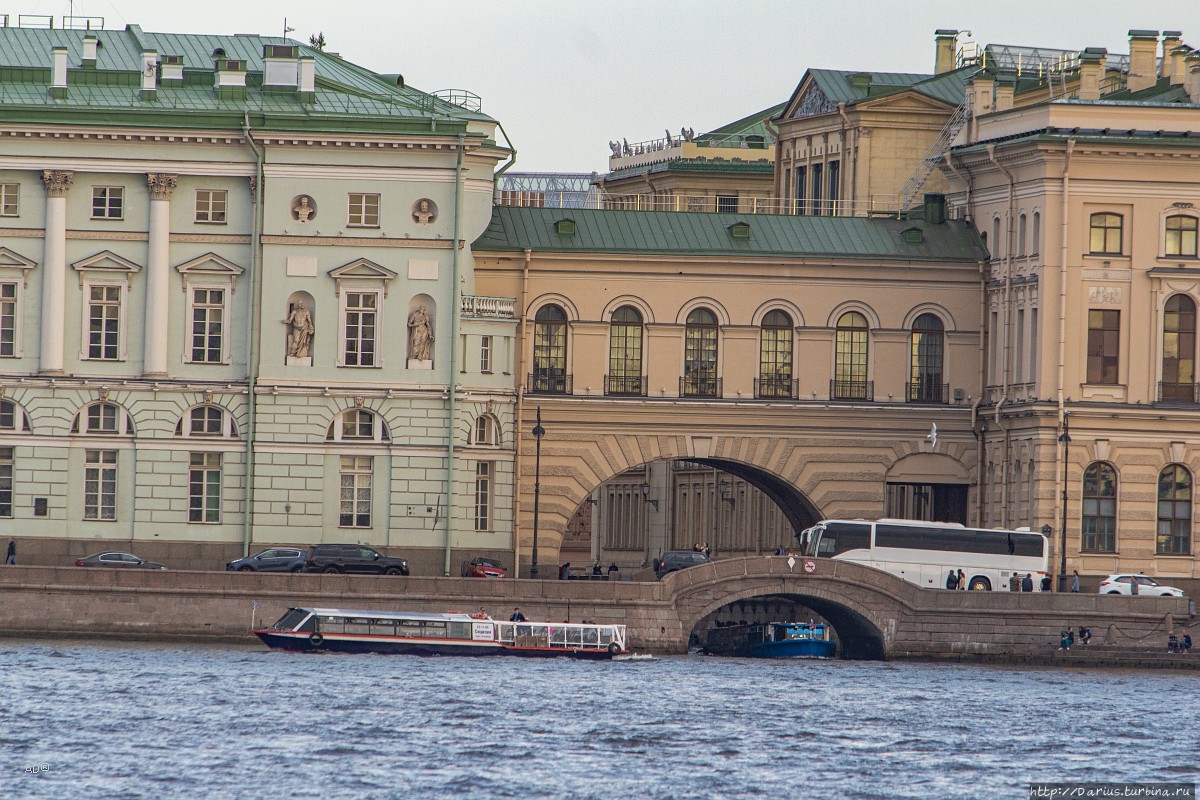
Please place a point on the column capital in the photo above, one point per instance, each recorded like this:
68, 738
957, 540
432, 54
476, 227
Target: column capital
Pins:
57, 182
161, 185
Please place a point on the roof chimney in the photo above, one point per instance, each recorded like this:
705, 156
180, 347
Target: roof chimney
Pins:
230, 79
58, 73
944, 41
90, 45
279, 67
1171, 40
981, 87
172, 70
1143, 52
1193, 79
1091, 70
1006, 87
149, 74
308, 80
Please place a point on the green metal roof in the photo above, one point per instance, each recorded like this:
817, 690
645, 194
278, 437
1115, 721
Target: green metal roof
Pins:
347, 96
751, 125
515, 229
855, 86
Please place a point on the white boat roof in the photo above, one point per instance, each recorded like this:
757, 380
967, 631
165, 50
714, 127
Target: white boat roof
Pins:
455, 616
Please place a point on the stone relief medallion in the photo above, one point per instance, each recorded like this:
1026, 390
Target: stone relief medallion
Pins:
424, 211
304, 208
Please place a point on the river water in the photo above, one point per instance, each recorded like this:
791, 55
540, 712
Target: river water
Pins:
103, 721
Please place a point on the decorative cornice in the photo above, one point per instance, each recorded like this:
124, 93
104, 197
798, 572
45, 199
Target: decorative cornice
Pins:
57, 182
209, 238
123, 236
161, 185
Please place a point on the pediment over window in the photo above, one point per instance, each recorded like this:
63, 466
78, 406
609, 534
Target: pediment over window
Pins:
106, 262
209, 266
361, 269
12, 260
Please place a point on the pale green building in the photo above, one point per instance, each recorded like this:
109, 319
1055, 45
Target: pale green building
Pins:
233, 256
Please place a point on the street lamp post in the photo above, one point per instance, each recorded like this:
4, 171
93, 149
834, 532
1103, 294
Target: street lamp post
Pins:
1065, 439
538, 433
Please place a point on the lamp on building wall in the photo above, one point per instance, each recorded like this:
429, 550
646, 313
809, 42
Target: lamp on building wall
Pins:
1065, 439
538, 433
646, 496
723, 488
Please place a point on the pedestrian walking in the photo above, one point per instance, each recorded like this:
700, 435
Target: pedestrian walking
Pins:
1075, 581
1027, 582
11, 556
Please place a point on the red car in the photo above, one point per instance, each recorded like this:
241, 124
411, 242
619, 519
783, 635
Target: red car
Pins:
482, 568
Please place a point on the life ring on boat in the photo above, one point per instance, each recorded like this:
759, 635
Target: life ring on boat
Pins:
478, 616
613, 648
316, 640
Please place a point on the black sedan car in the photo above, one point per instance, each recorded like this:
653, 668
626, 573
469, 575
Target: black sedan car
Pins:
117, 560
276, 559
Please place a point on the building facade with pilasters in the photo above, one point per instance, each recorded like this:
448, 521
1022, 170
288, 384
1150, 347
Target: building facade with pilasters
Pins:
237, 304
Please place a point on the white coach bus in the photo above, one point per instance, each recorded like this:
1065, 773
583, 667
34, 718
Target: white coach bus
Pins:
923, 552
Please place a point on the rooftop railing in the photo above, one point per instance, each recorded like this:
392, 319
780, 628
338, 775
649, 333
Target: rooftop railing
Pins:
877, 206
487, 307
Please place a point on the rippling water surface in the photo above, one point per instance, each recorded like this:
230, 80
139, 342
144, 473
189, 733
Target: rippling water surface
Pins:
89, 721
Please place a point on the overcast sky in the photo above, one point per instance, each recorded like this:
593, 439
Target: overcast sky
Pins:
565, 77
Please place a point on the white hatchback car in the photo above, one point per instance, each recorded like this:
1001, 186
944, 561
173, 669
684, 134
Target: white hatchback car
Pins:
1122, 583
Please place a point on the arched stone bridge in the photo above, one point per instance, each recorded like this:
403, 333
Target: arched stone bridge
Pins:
875, 614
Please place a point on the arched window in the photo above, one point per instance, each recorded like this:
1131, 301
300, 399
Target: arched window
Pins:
103, 418
1099, 508
1179, 350
625, 353
775, 356
1180, 239
1106, 234
206, 420
700, 355
850, 359
357, 425
487, 431
12, 418
927, 346
550, 352
1174, 511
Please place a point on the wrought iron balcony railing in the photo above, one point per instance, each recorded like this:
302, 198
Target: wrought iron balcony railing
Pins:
775, 387
852, 390
550, 381
927, 392
625, 385
699, 386
1178, 392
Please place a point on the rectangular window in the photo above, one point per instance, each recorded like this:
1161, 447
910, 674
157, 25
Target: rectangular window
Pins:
204, 487
107, 202
10, 195
100, 484
364, 210
210, 206
1181, 236
8, 320
834, 185
104, 323
801, 190
6, 481
208, 325
817, 176
727, 204
360, 329
1019, 350
1106, 233
1033, 345
1104, 341
485, 354
355, 510
483, 496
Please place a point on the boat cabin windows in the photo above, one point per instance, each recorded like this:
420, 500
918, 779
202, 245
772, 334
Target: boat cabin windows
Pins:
293, 618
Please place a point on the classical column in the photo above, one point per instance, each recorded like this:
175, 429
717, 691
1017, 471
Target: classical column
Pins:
157, 271
54, 270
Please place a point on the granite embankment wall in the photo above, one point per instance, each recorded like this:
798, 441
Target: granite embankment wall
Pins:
875, 614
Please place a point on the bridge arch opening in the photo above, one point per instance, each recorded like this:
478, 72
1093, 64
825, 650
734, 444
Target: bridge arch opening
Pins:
734, 507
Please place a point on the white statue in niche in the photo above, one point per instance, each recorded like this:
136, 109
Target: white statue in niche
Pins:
302, 330
425, 211
420, 335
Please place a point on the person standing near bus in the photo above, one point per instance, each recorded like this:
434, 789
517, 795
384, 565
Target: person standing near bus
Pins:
962, 580
951, 580
1027, 583
1014, 583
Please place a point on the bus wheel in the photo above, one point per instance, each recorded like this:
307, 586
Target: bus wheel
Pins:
980, 585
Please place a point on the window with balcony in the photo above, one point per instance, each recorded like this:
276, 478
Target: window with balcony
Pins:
550, 352
1103, 349
1106, 234
926, 349
1174, 511
700, 355
775, 356
625, 353
1099, 508
1180, 238
1179, 350
850, 358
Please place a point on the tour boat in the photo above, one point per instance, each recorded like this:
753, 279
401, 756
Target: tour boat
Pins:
454, 633
790, 640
